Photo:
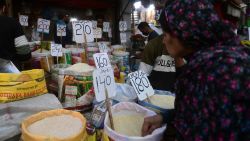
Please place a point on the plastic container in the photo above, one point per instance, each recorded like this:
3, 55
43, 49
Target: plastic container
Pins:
90, 52
122, 58
155, 108
155, 136
27, 136
118, 48
67, 57
78, 55
42, 60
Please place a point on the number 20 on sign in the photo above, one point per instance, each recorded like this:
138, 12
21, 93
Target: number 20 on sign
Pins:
141, 84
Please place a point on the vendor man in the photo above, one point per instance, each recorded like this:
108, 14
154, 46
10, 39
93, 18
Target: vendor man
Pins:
160, 67
13, 43
147, 31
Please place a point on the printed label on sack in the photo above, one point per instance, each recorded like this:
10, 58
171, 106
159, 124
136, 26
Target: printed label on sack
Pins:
70, 90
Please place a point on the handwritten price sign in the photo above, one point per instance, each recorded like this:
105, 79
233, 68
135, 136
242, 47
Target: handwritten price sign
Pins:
56, 49
123, 37
141, 84
123, 26
43, 25
81, 29
94, 24
104, 78
23, 20
106, 26
101, 60
98, 33
61, 30
103, 47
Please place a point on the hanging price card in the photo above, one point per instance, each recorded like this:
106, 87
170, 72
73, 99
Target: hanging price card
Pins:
94, 24
104, 78
56, 49
123, 37
106, 26
61, 30
23, 20
103, 47
123, 26
98, 33
141, 84
101, 60
43, 25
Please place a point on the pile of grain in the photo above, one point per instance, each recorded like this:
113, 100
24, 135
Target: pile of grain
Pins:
128, 123
80, 67
61, 127
163, 101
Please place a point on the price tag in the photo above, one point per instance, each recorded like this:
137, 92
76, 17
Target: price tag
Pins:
43, 25
81, 29
23, 20
141, 84
103, 47
61, 30
110, 33
106, 26
98, 33
104, 78
56, 49
123, 26
94, 24
101, 60
123, 37
248, 33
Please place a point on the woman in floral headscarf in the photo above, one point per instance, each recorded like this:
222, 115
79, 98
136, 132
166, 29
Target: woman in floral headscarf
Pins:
213, 92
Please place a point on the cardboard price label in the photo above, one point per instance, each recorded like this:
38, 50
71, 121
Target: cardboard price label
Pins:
110, 33
104, 78
43, 25
23, 20
123, 26
106, 26
141, 84
101, 60
103, 47
56, 50
81, 29
61, 30
98, 33
94, 24
123, 37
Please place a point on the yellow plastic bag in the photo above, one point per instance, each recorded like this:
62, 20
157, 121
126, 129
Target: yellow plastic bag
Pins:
17, 86
26, 136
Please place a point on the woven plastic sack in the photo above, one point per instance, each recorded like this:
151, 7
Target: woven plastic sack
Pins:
17, 86
26, 136
13, 113
155, 136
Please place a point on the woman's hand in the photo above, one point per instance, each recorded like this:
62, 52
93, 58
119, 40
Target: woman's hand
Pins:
151, 123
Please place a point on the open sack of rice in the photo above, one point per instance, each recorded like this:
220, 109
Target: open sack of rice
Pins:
128, 120
55, 125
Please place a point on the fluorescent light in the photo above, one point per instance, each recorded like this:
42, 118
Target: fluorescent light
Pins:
137, 5
73, 19
151, 7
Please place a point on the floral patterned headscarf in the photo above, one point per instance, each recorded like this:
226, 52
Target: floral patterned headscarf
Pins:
197, 25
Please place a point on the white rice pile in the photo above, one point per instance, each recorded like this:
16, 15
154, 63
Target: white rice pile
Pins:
80, 67
61, 127
163, 101
128, 123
